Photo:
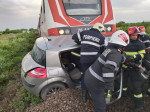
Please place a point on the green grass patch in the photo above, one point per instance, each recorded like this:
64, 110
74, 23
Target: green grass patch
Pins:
23, 100
12, 50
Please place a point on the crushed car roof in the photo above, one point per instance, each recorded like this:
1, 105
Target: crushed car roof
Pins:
56, 42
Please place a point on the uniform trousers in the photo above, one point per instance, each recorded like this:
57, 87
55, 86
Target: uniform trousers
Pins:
136, 82
84, 67
146, 61
96, 90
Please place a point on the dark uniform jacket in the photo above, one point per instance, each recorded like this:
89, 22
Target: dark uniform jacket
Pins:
146, 40
135, 47
92, 41
106, 66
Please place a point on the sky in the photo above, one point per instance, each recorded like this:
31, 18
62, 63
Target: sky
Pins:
17, 14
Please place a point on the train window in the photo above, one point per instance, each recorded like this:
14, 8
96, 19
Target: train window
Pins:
44, 6
82, 7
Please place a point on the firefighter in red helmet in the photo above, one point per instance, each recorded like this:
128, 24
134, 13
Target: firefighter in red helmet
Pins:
146, 61
135, 50
146, 40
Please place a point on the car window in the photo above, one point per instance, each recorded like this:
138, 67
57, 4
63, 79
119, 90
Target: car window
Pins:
38, 55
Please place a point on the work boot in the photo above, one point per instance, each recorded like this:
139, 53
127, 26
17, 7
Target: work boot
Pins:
84, 95
145, 95
138, 104
138, 109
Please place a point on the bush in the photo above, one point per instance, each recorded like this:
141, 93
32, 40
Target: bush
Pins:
124, 26
12, 51
23, 100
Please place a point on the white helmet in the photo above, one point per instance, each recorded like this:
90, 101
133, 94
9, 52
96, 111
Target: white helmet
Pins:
99, 27
120, 37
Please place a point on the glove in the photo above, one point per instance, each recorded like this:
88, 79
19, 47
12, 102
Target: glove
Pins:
70, 66
108, 96
137, 57
128, 59
147, 50
108, 93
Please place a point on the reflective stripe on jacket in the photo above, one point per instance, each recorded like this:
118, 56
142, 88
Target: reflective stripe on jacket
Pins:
135, 47
106, 66
91, 41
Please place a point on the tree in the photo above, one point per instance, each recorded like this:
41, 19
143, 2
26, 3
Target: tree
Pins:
7, 31
121, 23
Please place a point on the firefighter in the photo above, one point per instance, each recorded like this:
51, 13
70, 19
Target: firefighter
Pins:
146, 40
146, 61
135, 50
92, 42
100, 76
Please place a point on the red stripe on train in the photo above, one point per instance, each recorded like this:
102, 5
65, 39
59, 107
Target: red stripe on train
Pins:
71, 21
57, 18
110, 14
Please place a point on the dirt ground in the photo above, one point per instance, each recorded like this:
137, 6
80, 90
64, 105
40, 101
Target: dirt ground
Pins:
7, 97
70, 101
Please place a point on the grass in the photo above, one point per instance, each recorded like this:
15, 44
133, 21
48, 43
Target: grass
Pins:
12, 50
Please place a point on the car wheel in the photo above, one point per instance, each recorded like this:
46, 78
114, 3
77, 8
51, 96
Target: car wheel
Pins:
51, 89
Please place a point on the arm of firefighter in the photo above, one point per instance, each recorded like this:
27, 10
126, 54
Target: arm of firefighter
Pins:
141, 52
110, 68
77, 38
140, 55
147, 50
102, 45
126, 58
146, 41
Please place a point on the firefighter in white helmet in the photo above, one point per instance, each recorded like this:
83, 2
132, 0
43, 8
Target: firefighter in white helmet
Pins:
100, 76
92, 43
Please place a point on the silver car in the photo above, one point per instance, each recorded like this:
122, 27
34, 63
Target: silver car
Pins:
44, 69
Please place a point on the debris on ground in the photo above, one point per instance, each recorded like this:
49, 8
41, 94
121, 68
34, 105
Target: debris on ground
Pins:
70, 100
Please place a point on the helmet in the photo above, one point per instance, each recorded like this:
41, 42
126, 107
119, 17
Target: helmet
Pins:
133, 30
99, 27
120, 37
142, 29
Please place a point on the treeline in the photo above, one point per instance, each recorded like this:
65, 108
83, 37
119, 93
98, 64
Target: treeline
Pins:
124, 26
8, 31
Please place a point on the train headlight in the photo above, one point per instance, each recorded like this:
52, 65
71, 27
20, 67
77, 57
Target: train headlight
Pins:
67, 31
109, 28
64, 31
61, 32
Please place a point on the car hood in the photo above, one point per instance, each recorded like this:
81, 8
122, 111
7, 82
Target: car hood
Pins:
59, 43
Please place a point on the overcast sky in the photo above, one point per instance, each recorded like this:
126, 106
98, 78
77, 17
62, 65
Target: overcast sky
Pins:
17, 14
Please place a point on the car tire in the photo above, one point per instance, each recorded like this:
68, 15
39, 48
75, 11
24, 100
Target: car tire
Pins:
51, 89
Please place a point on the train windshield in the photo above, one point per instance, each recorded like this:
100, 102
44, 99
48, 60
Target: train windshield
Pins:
82, 7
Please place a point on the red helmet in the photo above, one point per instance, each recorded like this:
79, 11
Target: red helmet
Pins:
142, 29
133, 30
